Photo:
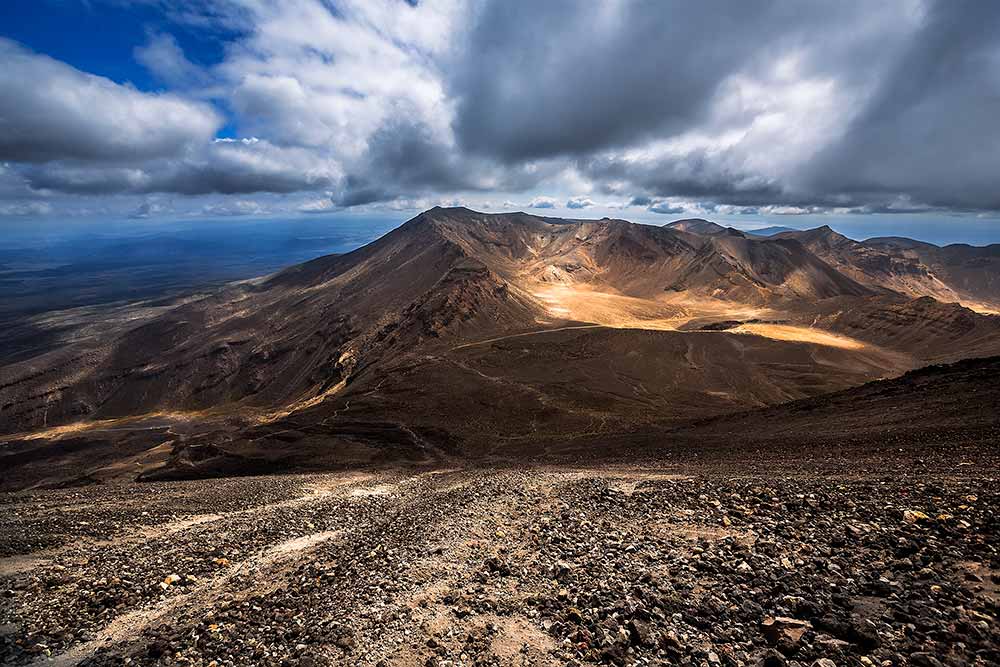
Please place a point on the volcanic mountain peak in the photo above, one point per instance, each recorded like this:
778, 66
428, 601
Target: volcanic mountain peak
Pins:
698, 226
823, 236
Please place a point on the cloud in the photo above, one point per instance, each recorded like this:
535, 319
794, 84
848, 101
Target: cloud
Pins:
561, 78
930, 132
164, 58
147, 209
695, 174
542, 202
51, 111
665, 207
317, 206
222, 167
565, 81
407, 158
32, 208
234, 208
579, 202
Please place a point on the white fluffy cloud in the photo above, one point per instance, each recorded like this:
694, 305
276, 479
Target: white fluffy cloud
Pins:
543, 202
51, 111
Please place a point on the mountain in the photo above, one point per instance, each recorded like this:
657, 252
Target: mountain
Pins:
468, 334
971, 272
955, 273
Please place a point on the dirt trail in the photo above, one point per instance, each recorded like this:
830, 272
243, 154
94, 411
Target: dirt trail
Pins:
262, 568
528, 333
196, 596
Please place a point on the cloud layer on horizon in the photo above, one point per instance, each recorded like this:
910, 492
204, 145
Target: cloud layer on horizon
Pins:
763, 106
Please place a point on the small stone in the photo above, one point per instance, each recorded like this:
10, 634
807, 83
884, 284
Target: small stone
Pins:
922, 659
783, 630
772, 659
640, 633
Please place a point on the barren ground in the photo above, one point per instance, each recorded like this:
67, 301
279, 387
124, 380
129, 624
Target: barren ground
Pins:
504, 566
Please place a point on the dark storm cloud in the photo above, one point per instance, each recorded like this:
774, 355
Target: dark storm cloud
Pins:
185, 179
407, 155
695, 175
564, 77
932, 131
548, 79
545, 78
665, 208
404, 158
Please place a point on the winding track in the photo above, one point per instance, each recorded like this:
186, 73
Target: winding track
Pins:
529, 333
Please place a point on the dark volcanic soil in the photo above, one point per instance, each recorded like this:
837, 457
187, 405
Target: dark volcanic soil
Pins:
710, 564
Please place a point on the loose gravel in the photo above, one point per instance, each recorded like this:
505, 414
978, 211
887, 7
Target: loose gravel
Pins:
547, 566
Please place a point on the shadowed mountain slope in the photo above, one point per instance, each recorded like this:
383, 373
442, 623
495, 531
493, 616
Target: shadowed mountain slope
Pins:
941, 405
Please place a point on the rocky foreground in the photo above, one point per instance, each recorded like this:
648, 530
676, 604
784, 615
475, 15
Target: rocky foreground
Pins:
617, 566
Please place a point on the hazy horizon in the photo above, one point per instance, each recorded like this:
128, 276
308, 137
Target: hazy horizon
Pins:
21, 233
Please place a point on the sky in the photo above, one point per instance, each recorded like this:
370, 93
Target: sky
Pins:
880, 118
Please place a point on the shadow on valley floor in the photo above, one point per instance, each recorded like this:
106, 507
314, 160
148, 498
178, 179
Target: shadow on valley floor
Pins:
940, 418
